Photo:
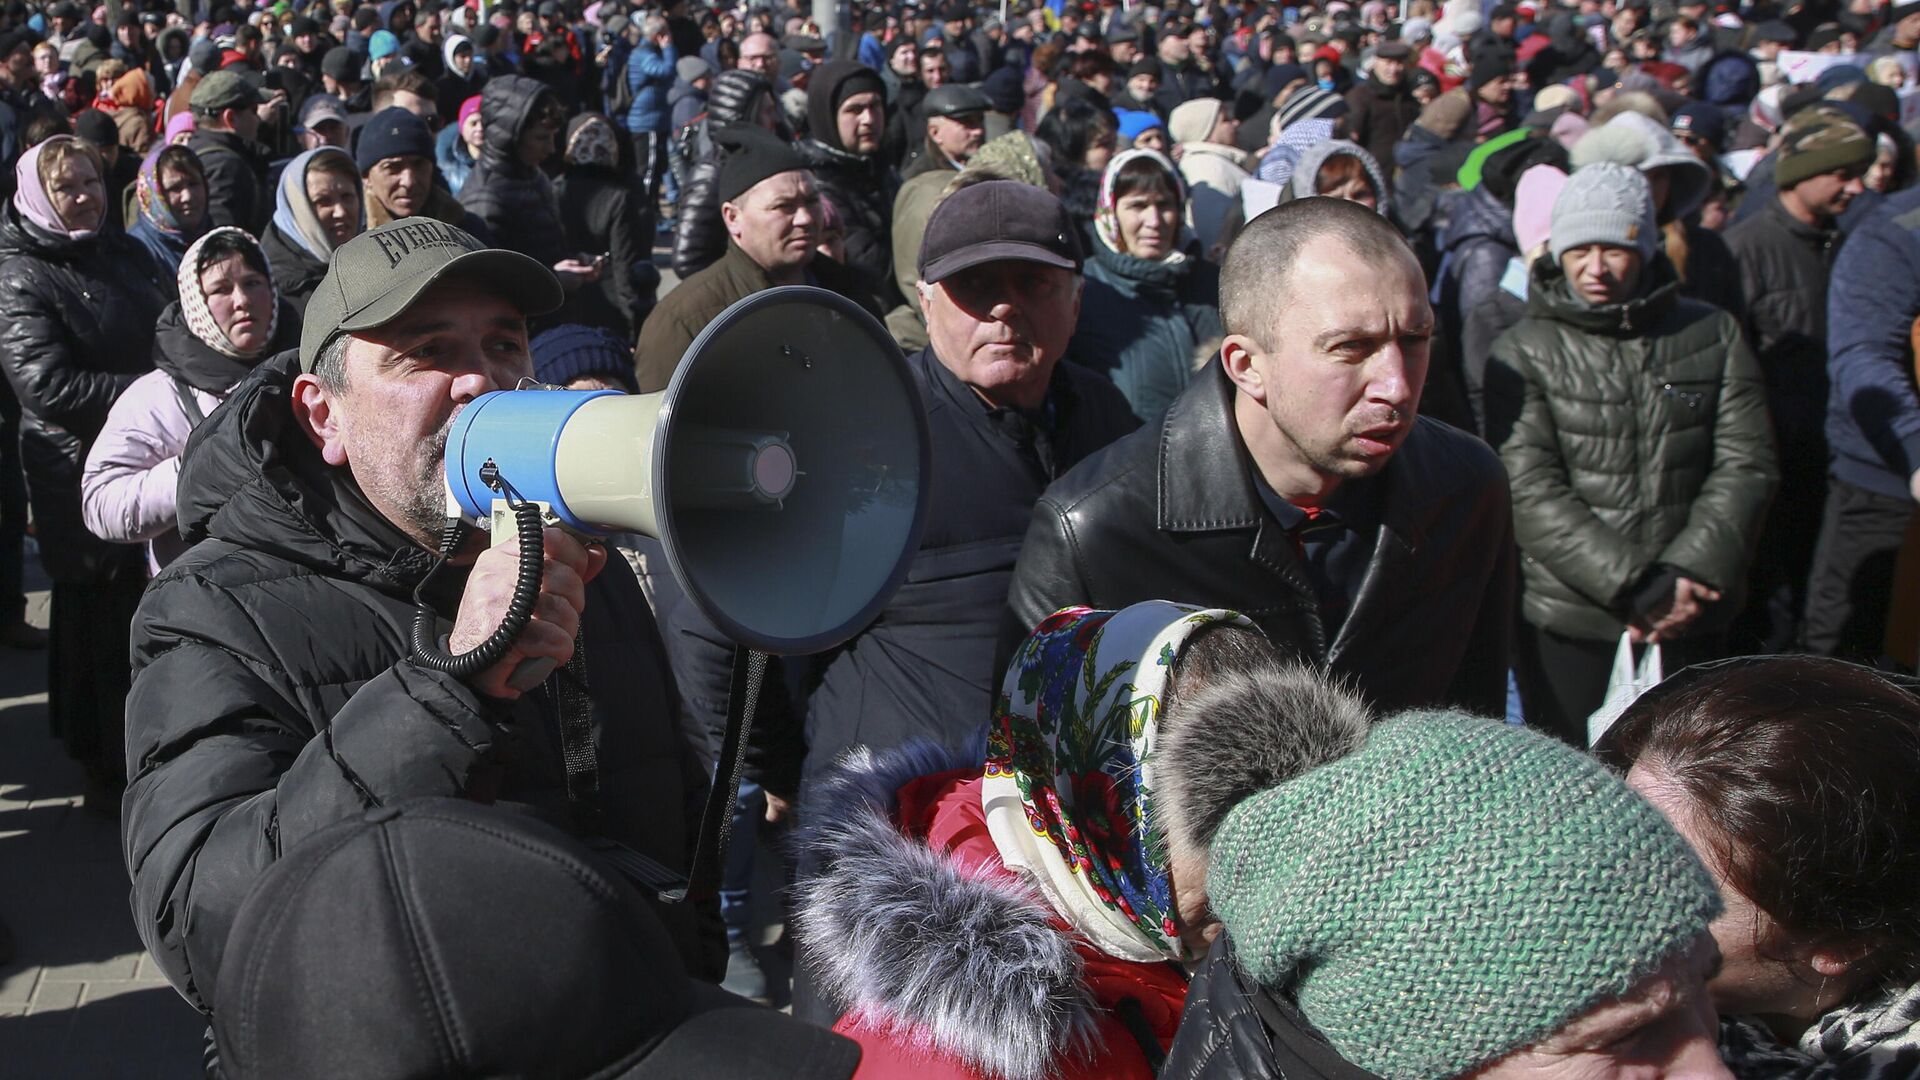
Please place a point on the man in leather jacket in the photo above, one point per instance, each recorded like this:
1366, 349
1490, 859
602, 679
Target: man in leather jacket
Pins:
1294, 482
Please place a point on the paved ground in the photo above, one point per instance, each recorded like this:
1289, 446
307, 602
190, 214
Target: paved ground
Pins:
81, 999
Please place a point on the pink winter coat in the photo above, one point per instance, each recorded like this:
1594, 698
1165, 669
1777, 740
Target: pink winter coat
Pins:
127, 490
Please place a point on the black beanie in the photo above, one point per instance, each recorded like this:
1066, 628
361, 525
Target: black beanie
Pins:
392, 132
97, 128
1488, 65
832, 83
750, 155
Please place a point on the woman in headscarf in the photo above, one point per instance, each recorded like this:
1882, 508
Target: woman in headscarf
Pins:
599, 216
1150, 310
464, 78
1023, 919
170, 197
78, 301
317, 207
227, 319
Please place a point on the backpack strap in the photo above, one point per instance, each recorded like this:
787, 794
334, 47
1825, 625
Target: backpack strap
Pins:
185, 393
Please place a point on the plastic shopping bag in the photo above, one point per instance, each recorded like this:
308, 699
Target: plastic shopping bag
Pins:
1628, 682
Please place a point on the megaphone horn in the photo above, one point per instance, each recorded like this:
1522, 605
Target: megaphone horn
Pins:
783, 469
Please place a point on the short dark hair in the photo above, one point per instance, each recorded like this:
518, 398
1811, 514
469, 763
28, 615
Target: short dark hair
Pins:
1262, 256
405, 80
1072, 127
1087, 65
1802, 770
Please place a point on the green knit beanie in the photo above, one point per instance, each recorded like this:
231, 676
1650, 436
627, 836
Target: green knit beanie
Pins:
1453, 891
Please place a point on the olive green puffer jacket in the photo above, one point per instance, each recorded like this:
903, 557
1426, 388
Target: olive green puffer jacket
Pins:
1636, 437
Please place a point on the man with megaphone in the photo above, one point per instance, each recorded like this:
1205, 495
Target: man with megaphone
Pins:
273, 692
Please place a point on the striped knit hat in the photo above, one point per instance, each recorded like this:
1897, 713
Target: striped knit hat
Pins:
1308, 103
1454, 890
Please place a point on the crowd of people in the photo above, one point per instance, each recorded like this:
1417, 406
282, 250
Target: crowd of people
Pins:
1332, 406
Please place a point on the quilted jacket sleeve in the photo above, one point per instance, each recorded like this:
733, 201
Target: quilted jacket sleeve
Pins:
1716, 543
35, 352
1551, 523
226, 770
133, 467
698, 239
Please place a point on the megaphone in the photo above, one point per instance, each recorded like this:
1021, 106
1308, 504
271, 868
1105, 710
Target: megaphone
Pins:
784, 468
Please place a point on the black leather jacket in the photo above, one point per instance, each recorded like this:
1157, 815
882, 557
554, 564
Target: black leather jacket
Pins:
1233, 1029
1171, 512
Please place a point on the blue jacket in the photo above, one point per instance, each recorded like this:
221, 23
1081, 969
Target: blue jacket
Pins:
1873, 413
650, 76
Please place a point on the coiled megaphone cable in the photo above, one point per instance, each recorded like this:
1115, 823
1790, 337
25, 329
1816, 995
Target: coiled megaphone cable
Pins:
526, 589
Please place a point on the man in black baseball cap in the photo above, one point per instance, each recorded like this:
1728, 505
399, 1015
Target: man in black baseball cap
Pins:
274, 690
440, 937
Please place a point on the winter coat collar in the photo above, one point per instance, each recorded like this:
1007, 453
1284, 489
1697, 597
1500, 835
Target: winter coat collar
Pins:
255, 480
1147, 275
1874, 1039
880, 919
184, 356
1550, 296
1813, 235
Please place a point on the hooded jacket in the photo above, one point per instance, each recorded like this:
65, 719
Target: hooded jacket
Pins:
76, 329
272, 696
133, 469
1637, 439
599, 215
953, 968
862, 187
452, 89
514, 200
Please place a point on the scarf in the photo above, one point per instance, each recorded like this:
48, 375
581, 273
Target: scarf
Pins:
1277, 166
1106, 215
193, 301
293, 212
1875, 1039
150, 199
131, 91
30, 196
1068, 788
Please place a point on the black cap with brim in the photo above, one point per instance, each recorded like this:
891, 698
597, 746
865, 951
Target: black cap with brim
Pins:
730, 1036
993, 251
994, 221
376, 276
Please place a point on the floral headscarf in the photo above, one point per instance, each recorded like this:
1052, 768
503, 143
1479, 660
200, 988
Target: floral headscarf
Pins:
592, 142
149, 197
193, 300
1068, 789
1106, 216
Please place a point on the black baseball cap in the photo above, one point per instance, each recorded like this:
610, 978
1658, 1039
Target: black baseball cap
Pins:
441, 937
374, 277
1393, 50
993, 221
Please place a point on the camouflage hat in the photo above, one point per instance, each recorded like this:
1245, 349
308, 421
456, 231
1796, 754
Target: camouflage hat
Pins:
1820, 140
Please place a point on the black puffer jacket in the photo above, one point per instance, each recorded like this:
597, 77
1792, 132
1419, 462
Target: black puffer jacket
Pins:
1233, 1029
1171, 513
1636, 438
862, 190
296, 272
271, 694
699, 239
514, 199
76, 328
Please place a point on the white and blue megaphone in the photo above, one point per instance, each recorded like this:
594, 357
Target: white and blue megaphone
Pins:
784, 469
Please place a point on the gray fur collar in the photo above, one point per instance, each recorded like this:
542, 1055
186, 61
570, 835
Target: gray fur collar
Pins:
920, 949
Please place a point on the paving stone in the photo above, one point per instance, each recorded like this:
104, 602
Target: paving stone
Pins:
16, 986
55, 995
117, 968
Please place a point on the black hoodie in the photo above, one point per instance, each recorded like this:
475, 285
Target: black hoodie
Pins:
515, 200
862, 187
